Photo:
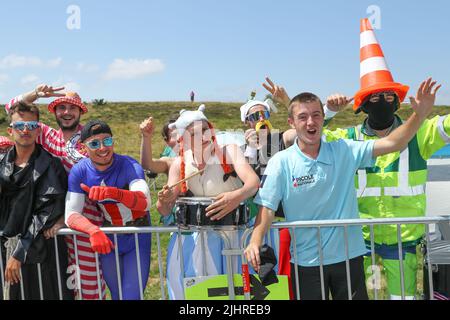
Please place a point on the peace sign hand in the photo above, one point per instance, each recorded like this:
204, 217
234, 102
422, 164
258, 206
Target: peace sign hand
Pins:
279, 94
45, 91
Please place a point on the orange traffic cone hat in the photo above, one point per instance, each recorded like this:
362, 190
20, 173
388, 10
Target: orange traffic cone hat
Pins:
374, 72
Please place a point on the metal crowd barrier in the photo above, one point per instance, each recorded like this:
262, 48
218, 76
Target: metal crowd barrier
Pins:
229, 252
110, 230
318, 224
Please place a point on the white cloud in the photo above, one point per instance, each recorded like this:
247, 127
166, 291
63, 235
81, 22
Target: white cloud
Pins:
15, 61
30, 80
71, 86
68, 83
3, 78
53, 63
85, 67
133, 68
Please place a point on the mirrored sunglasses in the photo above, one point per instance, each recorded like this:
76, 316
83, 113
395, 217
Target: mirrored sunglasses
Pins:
96, 143
255, 116
21, 125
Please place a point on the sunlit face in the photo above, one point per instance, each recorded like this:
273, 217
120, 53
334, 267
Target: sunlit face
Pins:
100, 149
199, 136
173, 137
26, 136
307, 119
67, 116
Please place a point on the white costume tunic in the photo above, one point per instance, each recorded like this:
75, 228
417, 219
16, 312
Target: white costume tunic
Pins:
202, 251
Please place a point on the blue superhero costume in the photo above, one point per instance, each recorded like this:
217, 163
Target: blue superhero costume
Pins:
124, 173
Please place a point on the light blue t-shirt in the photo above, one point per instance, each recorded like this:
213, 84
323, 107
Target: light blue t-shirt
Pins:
318, 189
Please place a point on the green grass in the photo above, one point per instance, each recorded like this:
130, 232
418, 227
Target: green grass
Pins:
125, 117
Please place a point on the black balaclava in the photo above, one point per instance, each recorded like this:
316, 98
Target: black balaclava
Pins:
381, 113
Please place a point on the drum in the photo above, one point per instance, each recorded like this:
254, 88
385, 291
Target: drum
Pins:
191, 211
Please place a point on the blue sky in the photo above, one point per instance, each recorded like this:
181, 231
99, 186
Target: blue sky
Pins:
161, 50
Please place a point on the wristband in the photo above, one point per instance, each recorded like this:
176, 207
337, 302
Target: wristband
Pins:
328, 113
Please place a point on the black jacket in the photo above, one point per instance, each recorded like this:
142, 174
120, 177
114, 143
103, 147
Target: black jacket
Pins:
31, 201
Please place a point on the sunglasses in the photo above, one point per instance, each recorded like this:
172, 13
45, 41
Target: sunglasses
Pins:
389, 96
96, 143
255, 116
21, 125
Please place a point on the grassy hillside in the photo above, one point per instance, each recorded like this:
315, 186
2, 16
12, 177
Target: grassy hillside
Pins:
124, 119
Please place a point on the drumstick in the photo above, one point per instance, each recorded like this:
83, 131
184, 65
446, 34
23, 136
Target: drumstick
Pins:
187, 178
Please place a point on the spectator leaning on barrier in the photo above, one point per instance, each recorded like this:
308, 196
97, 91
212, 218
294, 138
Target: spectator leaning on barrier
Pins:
395, 186
33, 185
312, 168
65, 144
117, 183
226, 177
262, 142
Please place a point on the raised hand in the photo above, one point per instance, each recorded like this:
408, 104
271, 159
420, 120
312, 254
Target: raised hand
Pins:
45, 91
337, 102
251, 138
147, 127
423, 103
278, 93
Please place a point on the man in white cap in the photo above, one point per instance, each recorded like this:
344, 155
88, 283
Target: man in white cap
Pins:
262, 139
227, 178
263, 142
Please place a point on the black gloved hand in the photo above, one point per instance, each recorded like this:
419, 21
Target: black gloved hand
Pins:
268, 261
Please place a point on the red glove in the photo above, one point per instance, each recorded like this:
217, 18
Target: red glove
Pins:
99, 241
99, 193
135, 200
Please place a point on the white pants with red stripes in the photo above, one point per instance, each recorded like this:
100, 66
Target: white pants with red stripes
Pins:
85, 278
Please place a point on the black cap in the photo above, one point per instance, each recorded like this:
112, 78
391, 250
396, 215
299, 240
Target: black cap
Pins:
94, 127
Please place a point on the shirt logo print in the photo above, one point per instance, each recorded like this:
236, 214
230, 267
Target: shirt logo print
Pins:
299, 181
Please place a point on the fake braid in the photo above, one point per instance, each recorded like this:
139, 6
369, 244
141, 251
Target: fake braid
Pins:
227, 168
182, 166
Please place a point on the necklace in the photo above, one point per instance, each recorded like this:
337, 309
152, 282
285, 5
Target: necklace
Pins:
388, 131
